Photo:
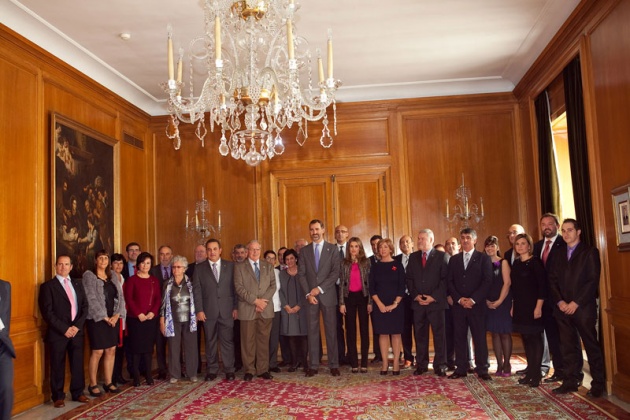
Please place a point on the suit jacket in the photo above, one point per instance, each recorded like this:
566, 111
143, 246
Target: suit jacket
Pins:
429, 280
157, 272
216, 300
325, 277
576, 279
553, 252
5, 316
248, 289
125, 271
56, 309
472, 282
508, 256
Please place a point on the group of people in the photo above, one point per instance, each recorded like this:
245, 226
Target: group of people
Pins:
250, 307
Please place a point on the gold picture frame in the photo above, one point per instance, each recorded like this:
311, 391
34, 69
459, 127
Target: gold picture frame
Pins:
621, 211
84, 192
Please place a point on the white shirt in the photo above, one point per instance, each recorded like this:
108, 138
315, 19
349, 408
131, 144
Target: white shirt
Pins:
553, 241
276, 295
218, 264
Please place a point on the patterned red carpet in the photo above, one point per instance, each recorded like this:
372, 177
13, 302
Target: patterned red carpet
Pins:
350, 396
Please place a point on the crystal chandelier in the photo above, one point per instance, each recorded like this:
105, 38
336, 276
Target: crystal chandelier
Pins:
464, 212
258, 80
200, 226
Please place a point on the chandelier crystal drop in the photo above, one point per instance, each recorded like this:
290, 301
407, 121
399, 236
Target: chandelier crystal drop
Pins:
258, 80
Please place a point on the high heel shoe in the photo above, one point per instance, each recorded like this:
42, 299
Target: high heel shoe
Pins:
383, 372
355, 370
507, 370
364, 370
111, 388
396, 372
91, 391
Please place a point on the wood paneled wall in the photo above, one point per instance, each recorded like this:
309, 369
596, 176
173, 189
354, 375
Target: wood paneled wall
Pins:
33, 85
599, 33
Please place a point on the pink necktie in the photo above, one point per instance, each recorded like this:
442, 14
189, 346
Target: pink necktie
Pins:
73, 304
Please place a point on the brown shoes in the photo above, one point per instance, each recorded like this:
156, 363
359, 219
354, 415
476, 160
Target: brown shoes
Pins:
59, 404
81, 399
335, 372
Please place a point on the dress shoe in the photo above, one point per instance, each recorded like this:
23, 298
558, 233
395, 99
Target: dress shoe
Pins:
420, 370
457, 375
248, 377
450, 367
335, 372
211, 377
471, 370
283, 364
230, 376
364, 369
485, 377
266, 375
136, 383
555, 378
521, 371
150, 381
440, 372
119, 380
595, 392
310, 373
534, 383
376, 360
292, 369
565, 388
524, 380
275, 370
59, 404
81, 398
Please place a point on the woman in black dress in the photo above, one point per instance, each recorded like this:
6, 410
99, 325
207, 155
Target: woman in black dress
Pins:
387, 287
293, 316
529, 289
499, 303
106, 305
354, 300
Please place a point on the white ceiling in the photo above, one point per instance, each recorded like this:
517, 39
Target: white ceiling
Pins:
383, 49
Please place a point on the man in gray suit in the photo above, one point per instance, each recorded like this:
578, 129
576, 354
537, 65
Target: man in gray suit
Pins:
7, 352
318, 271
255, 284
215, 300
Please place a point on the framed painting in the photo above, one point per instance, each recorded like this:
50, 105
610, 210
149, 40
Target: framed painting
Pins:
621, 210
84, 166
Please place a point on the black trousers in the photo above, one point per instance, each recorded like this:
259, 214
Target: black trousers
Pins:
299, 350
533, 343
356, 305
73, 347
424, 318
160, 352
476, 321
6, 382
573, 327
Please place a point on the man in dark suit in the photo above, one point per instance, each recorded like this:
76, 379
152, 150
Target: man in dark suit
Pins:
215, 301
64, 306
426, 282
163, 272
548, 249
132, 250
406, 248
7, 352
255, 284
513, 232
469, 278
318, 271
574, 284
374, 258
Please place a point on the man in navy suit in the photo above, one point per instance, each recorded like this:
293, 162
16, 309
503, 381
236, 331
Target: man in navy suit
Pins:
64, 306
469, 278
7, 352
426, 281
547, 250
318, 271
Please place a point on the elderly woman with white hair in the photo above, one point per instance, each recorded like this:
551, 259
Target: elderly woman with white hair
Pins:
178, 322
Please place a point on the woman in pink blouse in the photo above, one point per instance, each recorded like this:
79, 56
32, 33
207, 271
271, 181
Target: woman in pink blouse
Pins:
143, 297
354, 299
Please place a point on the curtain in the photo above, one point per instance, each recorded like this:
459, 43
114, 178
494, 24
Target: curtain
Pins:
547, 171
578, 151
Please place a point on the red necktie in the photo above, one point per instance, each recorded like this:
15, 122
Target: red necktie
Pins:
424, 259
73, 304
545, 254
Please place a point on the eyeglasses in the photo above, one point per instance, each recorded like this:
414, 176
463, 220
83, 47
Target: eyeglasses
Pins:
178, 266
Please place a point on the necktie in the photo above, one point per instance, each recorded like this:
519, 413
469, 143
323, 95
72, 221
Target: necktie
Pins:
341, 253
215, 272
405, 261
73, 304
424, 259
257, 271
135, 270
545, 254
466, 259
316, 257
166, 273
